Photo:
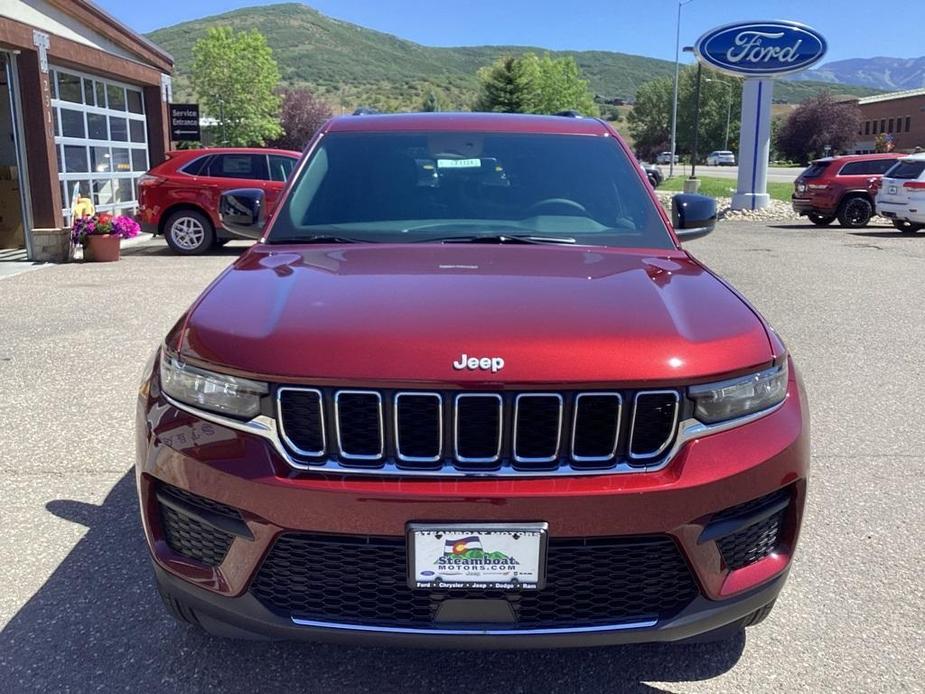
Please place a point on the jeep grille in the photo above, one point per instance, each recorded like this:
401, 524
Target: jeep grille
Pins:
476, 432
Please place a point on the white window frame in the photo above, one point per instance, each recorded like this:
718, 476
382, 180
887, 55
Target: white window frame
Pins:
69, 179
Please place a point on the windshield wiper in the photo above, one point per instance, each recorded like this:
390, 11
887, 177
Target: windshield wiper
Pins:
317, 238
501, 238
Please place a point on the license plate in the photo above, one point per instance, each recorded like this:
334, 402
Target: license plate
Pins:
892, 190
477, 556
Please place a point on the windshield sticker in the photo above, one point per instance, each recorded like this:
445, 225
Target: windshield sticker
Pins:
459, 163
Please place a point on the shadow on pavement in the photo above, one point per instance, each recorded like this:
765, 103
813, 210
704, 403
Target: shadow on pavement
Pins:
802, 227
97, 623
156, 249
807, 226
892, 234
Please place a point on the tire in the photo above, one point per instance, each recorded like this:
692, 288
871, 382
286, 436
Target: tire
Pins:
725, 633
189, 232
731, 631
855, 212
178, 610
907, 227
653, 181
820, 220
758, 616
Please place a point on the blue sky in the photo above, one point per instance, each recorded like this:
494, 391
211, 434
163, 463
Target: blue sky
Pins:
643, 27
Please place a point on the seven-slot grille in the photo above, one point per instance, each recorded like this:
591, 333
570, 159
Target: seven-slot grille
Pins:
432, 432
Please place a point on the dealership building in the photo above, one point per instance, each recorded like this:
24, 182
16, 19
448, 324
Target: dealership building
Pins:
900, 115
83, 112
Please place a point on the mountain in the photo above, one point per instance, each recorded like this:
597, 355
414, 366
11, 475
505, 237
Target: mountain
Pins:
352, 65
887, 74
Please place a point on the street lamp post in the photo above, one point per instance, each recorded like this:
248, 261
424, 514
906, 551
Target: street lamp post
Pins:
221, 115
729, 86
674, 101
696, 122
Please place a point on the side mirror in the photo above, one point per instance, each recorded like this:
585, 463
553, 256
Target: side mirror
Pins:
242, 211
692, 215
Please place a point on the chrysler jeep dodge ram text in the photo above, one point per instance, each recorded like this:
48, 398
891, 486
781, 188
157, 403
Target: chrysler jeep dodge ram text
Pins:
469, 390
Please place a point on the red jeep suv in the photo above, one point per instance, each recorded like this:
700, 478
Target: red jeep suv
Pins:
179, 197
839, 188
469, 390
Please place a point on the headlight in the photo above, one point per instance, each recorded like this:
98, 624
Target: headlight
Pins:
229, 395
738, 397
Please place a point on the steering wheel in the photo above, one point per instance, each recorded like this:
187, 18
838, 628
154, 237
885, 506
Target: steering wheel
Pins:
565, 202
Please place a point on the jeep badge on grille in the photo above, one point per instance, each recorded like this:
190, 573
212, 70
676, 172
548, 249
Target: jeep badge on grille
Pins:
495, 364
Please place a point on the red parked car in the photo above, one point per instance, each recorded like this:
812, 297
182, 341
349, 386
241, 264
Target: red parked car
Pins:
840, 188
471, 391
179, 197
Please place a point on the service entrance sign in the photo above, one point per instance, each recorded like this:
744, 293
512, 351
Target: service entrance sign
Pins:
759, 52
184, 122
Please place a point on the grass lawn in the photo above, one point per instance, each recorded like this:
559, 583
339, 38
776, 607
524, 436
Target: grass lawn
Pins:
724, 187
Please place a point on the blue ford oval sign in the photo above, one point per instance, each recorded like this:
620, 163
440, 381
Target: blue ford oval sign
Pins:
761, 49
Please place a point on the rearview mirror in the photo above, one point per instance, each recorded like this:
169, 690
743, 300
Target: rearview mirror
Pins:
692, 215
242, 211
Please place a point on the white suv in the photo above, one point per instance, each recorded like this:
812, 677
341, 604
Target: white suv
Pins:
721, 157
901, 197
665, 158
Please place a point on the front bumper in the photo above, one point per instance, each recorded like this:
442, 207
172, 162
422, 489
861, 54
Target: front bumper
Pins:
245, 617
244, 472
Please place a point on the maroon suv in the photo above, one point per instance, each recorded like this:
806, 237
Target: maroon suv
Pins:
179, 197
470, 390
839, 188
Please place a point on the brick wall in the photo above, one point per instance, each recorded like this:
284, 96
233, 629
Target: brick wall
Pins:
904, 118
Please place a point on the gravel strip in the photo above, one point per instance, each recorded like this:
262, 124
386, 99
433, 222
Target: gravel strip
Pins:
777, 211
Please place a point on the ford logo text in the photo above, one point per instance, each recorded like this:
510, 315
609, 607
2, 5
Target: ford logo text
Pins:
761, 49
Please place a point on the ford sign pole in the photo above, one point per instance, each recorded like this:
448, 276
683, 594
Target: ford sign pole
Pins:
758, 51
754, 145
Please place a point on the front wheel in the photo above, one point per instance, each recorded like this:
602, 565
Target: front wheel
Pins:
855, 213
821, 220
189, 232
907, 227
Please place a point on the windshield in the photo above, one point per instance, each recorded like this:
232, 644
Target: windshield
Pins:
430, 187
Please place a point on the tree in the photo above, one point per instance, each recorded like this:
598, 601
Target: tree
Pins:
431, 102
649, 122
508, 85
235, 76
815, 124
301, 116
560, 86
534, 84
884, 143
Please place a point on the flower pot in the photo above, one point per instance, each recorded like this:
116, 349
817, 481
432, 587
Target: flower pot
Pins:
102, 248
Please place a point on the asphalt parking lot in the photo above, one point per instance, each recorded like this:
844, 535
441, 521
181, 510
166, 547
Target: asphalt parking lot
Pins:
78, 611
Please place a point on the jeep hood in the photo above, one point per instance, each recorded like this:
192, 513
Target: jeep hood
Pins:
402, 314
